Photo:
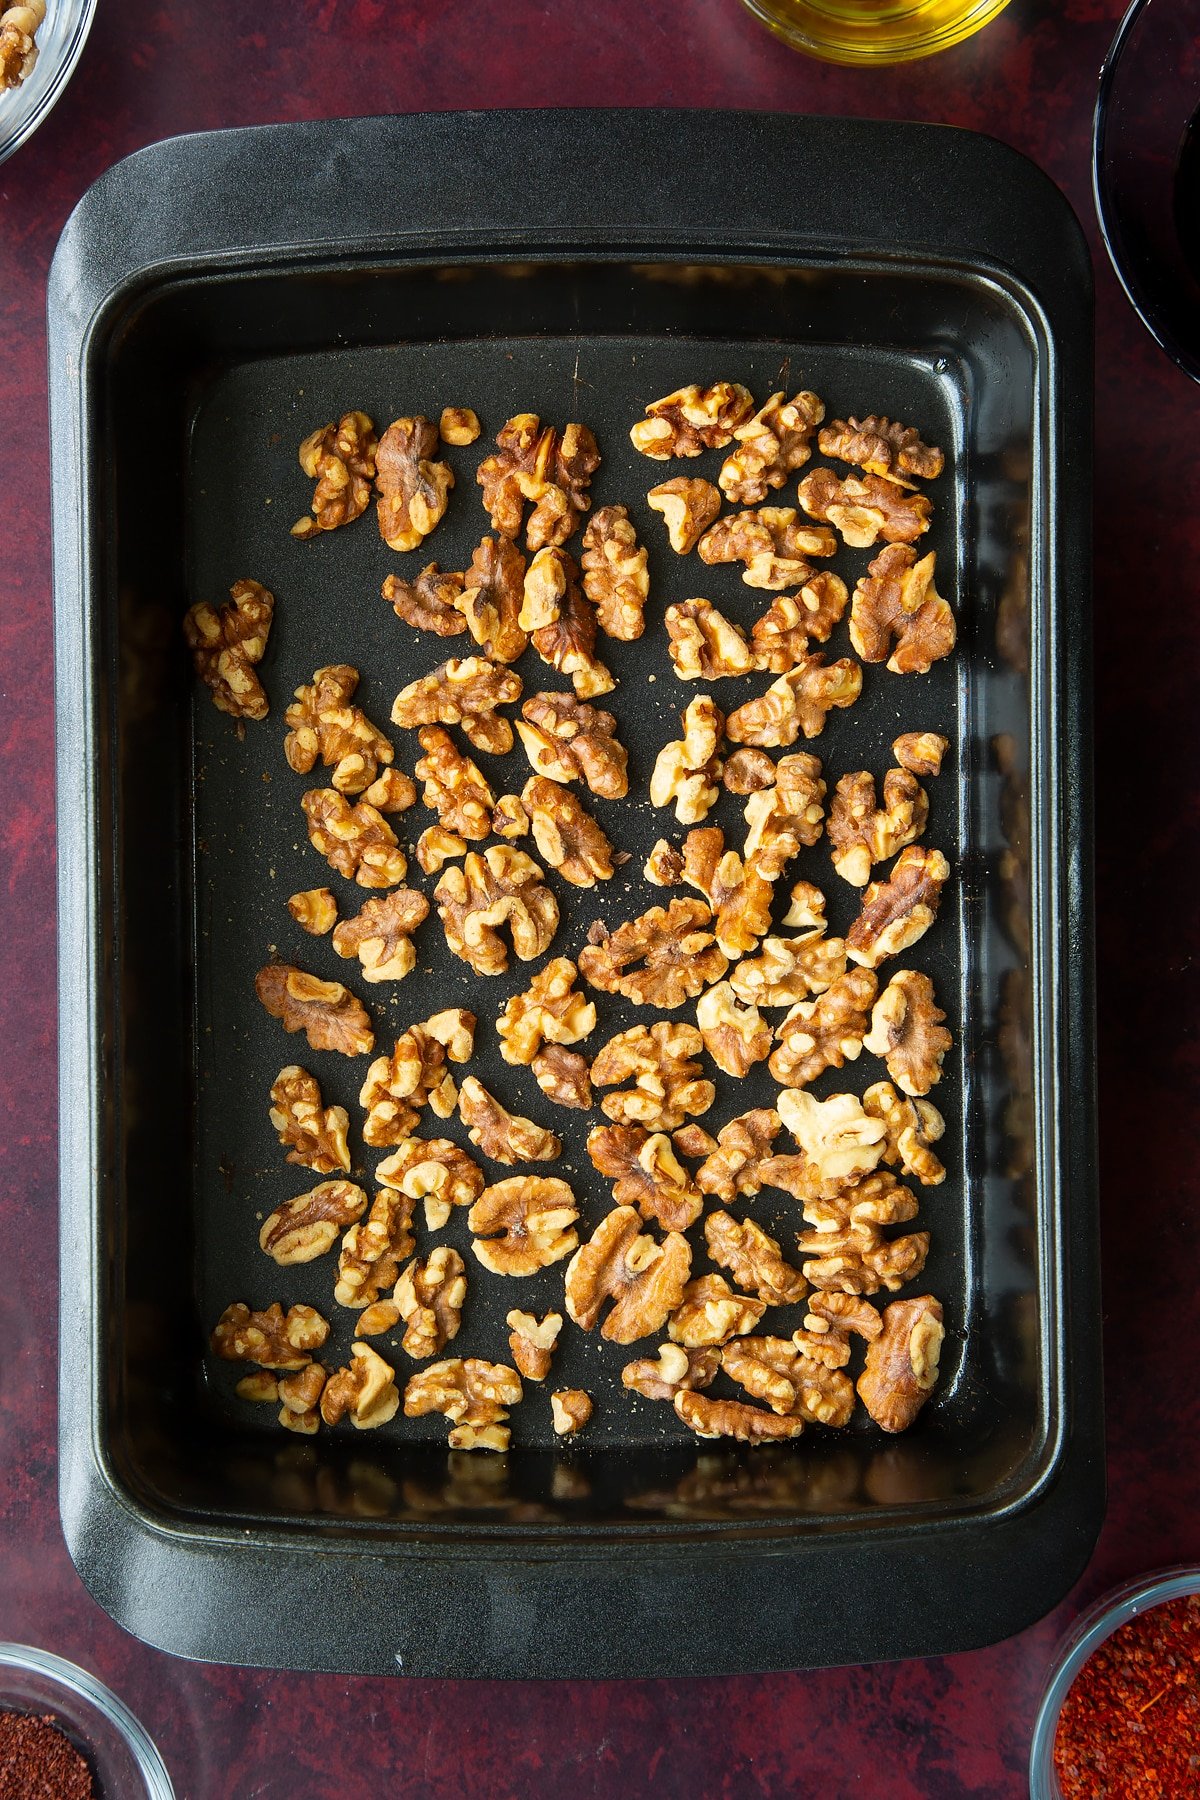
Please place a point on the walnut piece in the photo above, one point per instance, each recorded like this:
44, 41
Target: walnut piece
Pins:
567, 641
563, 1077
615, 578
807, 907
381, 934
551, 1010
921, 752
434, 1171
787, 970
315, 910
509, 818
532, 463
661, 1377
664, 865
226, 642
463, 691
770, 447
824, 1033
365, 1391
691, 420
736, 1036
896, 603
687, 769
772, 544
570, 742
660, 959
704, 644
272, 1338
799, 701
458, 425
902, 1364
454, 786
646, 1173
909, 1128
503, 887
532, 1342
490, 601
748, 771
710, 1313
860, 1260
474, 1395
315, 1133
881, 446
392, 791
505, 1137
839, 1136
897, 912
876, 1199
341, 460
356, 841
414, 490
373, 1250
907, 1031
828, 1324
306, 1227
19, 25
732, 1164
327, 1013
644, 1280
796, 1386
415, 1075
688, 506
739, 893
781, 639
861, 833
865, 510
570, 1410
300, 1395
753, 1258
429, 602
436, 847
790, 814
429, 1296
711, 1418
523, 1224
566, 834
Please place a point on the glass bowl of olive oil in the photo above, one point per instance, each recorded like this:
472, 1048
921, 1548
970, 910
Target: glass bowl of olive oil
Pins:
873, 33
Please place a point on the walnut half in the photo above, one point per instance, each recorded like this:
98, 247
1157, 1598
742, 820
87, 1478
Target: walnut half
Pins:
523, 1224
902, 1363
501, 888
327, 1013
644, 1280
661, 1063
504, 1136
227, 642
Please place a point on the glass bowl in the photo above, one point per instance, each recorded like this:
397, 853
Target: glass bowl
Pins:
1086, 1635
874, 33
60, 44
1146, 169
124, 1763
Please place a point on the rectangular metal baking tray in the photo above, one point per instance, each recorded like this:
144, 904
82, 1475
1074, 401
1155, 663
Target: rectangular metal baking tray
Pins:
213, 297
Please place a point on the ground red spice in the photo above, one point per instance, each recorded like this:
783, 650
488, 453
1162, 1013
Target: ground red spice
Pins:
1130, 1726
37, 1762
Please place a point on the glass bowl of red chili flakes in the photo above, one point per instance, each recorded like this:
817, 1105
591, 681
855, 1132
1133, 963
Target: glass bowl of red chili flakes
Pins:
1120, 1718
64, 1734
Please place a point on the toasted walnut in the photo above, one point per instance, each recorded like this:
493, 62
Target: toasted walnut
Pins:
532, 1342
365, 1391
430, 602
807, 907
780, 640
570, 1410
907, 1031
504, 1136
792, 1384
881, 446
688, 506
739, 893
748, 772
687, 769
569, 742
897, 912
753, 1258
544, 589
710, 1313
566, 834
341, 460
414, 490
646, 1173
434, 1171
392, 791
327, 1013
551, 1010
415, 1075
454, 787
837, 1135
531, 462
226, 642
563, 1077
789, 814
735, 1036
436, 847
503, 887
373, 1250
523, 1224
824, 1033
567, 641
381, 934
430, 1295
732, 1166
710, 1418
273, 1339
691, 420
664, 865
860, 1260
799, 701
300, 1396
463, 692
865, 510
490, 601
704, 644
861, 833
772, 544
770, 447
909, 1128
787, 970
660, 959
458, 425
356, 841
262, 1389
314, 910
614, 573
661, 1377
308, 1226
896, 603
20, 21
315, 1133
828, 1324
644, 1280
902, 1363
474, 1395
920, 752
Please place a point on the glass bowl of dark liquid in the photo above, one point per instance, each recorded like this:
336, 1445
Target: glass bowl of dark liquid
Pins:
1146, 169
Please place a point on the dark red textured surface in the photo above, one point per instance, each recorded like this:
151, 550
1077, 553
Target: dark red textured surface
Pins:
932, 1730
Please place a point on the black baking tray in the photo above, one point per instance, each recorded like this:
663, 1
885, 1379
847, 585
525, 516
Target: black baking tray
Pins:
213, 298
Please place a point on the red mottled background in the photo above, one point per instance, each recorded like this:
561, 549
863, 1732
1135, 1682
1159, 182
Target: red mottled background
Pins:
934, 1730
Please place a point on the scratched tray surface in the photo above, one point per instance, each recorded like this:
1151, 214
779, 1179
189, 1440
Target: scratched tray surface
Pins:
250, 846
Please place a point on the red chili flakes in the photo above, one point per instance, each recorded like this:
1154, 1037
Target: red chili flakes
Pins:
38, 1762
1130, 1726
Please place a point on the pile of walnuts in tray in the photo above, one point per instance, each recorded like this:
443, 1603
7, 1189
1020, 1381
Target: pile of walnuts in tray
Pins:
718, 983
